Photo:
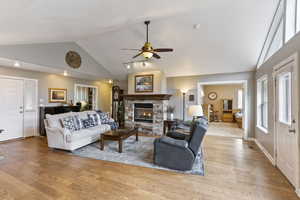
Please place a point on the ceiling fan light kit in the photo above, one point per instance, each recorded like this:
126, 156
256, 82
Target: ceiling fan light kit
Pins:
147, 51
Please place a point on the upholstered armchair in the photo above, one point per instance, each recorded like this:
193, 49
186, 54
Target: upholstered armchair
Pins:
179, 154
177, 134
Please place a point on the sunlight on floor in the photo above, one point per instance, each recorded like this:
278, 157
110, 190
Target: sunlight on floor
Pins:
225, 129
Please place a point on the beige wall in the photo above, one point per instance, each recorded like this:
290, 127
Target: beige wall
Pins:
159, 82
228, 91
174, 84
46, 80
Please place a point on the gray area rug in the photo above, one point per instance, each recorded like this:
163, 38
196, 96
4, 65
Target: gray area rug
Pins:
139, 153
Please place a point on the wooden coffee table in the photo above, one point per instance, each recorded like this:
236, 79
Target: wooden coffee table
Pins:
118, 135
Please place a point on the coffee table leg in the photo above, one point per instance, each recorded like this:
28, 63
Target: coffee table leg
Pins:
120, 146
137, 136
102, 143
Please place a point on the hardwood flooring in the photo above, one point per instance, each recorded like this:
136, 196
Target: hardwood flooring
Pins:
226, 129
233, 170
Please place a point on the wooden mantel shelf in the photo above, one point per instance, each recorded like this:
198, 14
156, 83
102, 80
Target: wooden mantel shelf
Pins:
147, 96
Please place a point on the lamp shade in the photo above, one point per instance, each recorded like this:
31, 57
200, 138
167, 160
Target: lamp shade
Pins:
195, 111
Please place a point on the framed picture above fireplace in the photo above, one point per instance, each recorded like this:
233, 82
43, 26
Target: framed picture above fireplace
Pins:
144, 83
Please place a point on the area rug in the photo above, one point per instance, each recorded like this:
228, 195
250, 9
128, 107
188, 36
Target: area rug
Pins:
139, 153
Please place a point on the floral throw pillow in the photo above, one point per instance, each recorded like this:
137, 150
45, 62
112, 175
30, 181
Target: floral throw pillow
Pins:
69, 123
105, 117
88, 123
95, 118
78, 122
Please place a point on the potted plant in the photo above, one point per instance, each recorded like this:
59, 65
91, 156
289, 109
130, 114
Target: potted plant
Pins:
170, 111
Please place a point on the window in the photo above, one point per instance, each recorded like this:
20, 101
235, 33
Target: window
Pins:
290, 19
277, 41
240, 99
285, 99
262, 103
274, 28
284, 26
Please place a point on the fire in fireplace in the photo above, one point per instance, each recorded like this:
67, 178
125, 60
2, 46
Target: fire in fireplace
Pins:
143, 112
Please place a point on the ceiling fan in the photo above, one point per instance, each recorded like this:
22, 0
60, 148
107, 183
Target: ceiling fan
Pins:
147, 50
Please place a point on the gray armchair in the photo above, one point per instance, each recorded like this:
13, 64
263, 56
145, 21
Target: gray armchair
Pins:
179, 154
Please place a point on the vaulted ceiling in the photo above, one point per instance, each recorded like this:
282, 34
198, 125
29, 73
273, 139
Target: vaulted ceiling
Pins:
229, 38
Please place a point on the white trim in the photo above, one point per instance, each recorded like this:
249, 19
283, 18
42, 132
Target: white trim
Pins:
90, 86
246, 109
267, 154
297, 192
259, 82
36, 133
262, 129
277, 70
250, 139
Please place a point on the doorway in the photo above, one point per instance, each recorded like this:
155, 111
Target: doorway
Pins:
11, 106
286, 118
225, 105
18, 105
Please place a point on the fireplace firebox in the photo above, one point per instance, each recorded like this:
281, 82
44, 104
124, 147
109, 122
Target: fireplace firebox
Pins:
143, 112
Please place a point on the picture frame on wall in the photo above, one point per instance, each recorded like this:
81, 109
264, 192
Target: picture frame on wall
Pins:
57, 95
144, 83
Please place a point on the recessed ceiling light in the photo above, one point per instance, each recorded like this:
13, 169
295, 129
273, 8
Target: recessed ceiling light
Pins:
197, 26
17, 64
110, 81
65, 73
128, 66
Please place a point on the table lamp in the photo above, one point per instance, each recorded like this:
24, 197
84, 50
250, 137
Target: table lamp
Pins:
195, 111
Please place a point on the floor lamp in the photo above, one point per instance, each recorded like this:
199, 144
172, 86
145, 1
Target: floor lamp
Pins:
184, 91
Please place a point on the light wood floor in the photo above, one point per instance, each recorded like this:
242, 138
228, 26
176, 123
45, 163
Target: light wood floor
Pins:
234, 170
226, 129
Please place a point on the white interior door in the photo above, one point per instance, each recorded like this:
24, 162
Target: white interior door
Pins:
30, 108
11, 108
286, 121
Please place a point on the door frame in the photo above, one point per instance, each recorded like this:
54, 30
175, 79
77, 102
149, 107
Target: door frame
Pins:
76, 85
36, 133
276, 70
246, 118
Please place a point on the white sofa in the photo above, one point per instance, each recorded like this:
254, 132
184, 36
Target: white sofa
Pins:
61, 138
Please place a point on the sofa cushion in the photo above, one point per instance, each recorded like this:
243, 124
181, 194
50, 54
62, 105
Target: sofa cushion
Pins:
54, 120
69, 123
89, 132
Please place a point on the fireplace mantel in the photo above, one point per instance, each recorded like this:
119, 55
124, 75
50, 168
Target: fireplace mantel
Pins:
147, 96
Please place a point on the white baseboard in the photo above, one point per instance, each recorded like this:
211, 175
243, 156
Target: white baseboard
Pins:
250, 139
267, 154
297, 192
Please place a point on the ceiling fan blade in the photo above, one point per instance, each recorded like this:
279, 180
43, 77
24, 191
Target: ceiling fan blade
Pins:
130, 49
155, 55
137, 55
163, 50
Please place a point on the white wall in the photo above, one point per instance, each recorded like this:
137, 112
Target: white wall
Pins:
52, 55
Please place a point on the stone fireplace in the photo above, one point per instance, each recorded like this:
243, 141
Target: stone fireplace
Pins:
147, 111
